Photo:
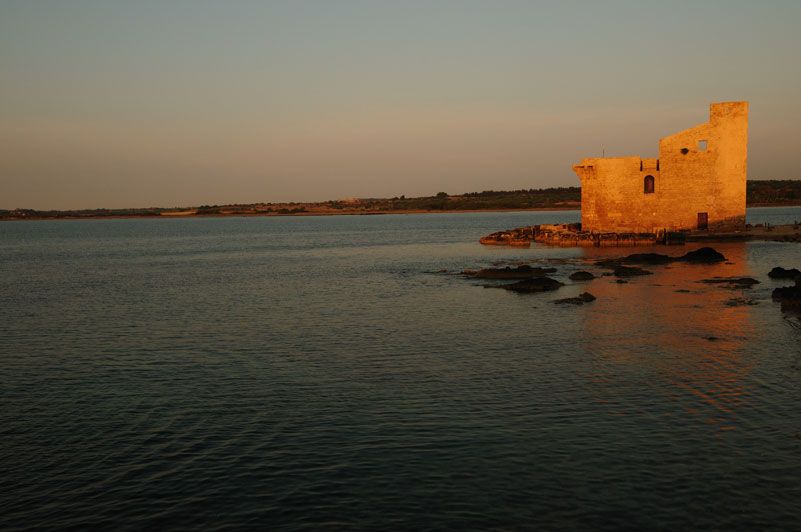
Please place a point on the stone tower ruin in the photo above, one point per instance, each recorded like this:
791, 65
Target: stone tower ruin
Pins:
696, 183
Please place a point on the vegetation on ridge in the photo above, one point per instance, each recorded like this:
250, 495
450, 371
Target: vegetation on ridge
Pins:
759, 193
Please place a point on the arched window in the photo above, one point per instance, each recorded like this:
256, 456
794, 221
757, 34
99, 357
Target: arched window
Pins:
648, 184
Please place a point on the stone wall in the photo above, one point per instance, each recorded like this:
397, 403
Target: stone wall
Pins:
699, 170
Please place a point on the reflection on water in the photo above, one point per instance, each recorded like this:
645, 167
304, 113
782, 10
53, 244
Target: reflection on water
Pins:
695, 337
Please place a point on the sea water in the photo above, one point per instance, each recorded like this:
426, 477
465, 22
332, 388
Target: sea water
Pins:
290, 373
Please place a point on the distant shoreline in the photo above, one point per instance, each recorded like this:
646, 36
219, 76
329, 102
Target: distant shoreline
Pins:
335, 213
281, 215
767, 193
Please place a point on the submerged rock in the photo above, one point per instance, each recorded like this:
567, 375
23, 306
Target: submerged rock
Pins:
581, 276
630, 271
740, 302
521, 272
537, 284
704, 255
582, 298
740, 282
647, 258
745, 281
609, 263
781, 273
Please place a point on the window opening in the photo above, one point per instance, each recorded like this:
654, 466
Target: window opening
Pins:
648, 184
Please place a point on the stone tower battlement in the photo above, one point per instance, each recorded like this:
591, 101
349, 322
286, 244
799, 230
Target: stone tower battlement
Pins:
697, 182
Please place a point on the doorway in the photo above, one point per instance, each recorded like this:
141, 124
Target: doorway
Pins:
703, 220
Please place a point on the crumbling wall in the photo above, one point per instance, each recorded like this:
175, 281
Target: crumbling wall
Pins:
699, 170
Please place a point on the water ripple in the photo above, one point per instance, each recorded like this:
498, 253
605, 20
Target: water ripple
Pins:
314, 374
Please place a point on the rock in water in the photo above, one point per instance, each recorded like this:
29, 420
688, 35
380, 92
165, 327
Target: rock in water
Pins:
585, 297
630, 271
781, 273
521, 272
581, 276
788, 295
703, 256
537, 284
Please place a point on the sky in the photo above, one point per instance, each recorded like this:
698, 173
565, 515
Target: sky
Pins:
112, 103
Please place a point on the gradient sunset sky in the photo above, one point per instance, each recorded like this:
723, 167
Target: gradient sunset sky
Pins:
165, 103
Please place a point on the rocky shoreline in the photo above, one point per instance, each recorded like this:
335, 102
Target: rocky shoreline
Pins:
571, 235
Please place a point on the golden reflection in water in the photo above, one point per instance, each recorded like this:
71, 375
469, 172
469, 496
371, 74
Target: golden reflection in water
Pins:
687, 338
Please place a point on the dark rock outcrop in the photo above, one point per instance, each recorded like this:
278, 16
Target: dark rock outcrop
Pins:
581, 276
789, 296
704, 255
585, 297
630, 271
781, 273
537, 284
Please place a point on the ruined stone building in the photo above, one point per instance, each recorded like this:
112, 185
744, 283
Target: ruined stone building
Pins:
697, 182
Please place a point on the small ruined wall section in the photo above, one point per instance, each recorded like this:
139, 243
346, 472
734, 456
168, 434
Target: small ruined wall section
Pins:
701, 169
612, 197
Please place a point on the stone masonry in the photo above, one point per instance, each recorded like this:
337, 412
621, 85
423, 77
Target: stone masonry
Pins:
698, 181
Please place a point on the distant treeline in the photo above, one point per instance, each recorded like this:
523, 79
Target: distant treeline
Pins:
82, 213
774, 192
764, 193
486, 200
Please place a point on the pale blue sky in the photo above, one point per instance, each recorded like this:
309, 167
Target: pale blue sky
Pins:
116, 103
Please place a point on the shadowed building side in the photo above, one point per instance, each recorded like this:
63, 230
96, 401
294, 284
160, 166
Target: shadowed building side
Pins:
698, 181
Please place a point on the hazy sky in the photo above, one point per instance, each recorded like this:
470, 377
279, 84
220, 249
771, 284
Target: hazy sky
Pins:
155, 103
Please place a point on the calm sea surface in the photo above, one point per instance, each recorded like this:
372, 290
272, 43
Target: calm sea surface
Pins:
323, 373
